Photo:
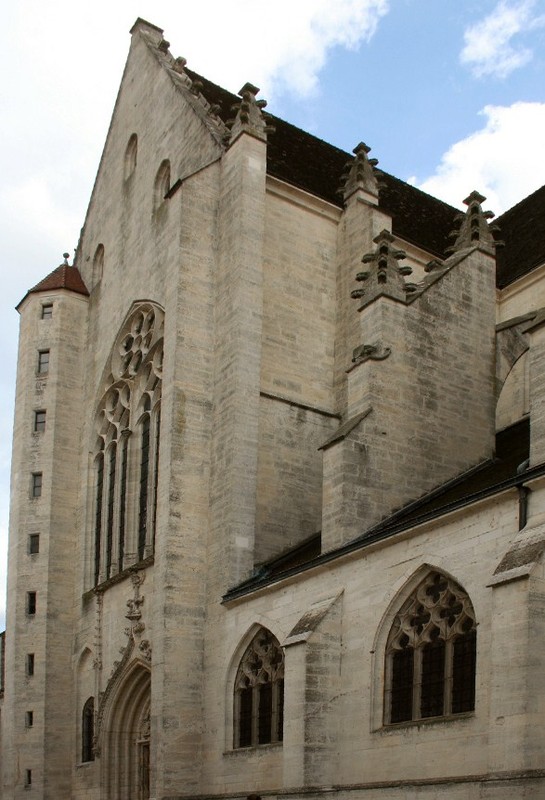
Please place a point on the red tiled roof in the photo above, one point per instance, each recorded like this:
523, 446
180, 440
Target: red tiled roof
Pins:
64, 277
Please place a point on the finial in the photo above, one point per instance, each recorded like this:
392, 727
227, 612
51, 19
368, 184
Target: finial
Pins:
474, 229
249, 117
360, 174
66, 256
384, 275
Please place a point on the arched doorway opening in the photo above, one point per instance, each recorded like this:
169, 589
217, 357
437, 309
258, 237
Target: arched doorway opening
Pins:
126, 737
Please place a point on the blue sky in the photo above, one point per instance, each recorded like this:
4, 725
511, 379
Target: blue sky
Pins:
449, 95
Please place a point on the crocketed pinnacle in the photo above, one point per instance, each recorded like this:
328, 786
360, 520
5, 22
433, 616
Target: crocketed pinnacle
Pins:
249, 117
360, 174
474, 230
383, 276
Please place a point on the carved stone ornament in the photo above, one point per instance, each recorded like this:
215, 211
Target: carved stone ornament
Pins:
474, 230
145, 649
370, 352
383, 276
360, 173
263, 662
437, 608
134, 604
249, 117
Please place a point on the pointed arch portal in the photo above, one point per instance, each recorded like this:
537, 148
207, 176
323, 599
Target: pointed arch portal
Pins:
126, 738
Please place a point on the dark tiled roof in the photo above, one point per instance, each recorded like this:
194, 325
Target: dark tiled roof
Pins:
512, 451
522, 228
64, 277
303, 160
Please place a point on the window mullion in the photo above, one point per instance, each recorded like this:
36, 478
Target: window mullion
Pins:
274, 712
449, 649
255, 714
417, 683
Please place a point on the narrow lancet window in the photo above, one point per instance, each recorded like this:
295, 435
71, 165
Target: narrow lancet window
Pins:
88, 730
99, 464
143, 496
123, 501
111, 510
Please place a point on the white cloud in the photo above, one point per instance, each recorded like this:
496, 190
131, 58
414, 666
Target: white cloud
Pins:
488, 49
504, 160
64, 61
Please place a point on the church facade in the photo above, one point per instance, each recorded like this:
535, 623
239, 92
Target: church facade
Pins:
278, 489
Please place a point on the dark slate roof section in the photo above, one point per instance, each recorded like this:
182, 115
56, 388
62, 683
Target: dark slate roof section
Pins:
522, 228
512, 451
508, 468
64, 277
287, 561
303, 160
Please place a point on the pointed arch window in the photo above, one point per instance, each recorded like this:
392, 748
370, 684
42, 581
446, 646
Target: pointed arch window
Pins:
144, 483
123, 500
259, 693
112, 463
431, 654
127, 446
99, 471
88, 730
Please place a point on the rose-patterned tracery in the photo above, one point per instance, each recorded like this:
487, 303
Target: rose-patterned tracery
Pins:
259, 692
431, 653
127, 444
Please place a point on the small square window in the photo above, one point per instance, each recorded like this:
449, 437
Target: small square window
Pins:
47, 310
29, 719
43, 362
28, 777
36, 485
31, 603
33, 543
39, 421
29, 664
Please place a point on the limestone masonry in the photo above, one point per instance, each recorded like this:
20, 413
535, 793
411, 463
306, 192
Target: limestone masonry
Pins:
278, 489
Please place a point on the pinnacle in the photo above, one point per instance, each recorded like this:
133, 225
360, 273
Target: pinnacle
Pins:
360, 173
474, 230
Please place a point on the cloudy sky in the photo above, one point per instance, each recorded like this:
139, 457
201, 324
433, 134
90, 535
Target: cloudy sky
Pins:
449, 95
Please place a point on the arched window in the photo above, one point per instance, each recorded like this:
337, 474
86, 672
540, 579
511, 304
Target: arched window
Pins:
259, 693
112, 458
431, 654
122, 501
162, 183
127, 445
99, 471
130, 157
88, 730
98, 264
144, 481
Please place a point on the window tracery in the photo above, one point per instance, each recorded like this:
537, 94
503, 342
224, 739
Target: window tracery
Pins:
127, 445
431, 653
259, 692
